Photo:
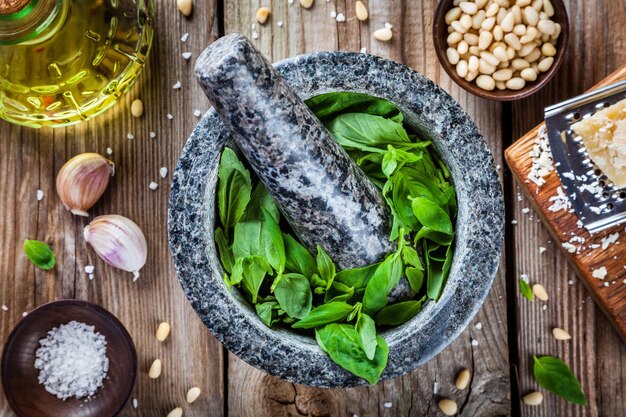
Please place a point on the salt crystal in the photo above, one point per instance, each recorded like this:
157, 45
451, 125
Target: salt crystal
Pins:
72, 361
89, 269
525, 210
25, 313
153, 186
197, 113
4, 307
387, 405
290, 1
255, 35
135, 403
545, 307
474, 342
253, 26
388, 26
436, 387
542, 249
109, 151
170, 116
599, 273
513, 221
341, 18
524, 278
163, 172
606, 284
40, 195
280, 23
571, 282
186, 55
152, 135
479, 326
333, 14
177, 86
184, 37
363, 50
130, 136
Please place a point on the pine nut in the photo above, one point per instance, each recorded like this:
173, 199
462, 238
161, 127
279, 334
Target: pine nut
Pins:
466, 21
361, 11
472, 64
500, 53
481, 3
504, 3
560, 334
136, 108
533, 398
528, 74
517, 15
510, 52
520, 64
262, 15
533, 56
471, 39
474, 50
500, 85
471, 75
508, 22
462, 47
485, 82
463, 380
537, 5
557, 31
540, 292
177, 412
504, 74
526, 49
307, 4
453, 56
498, 34
501, 15
546, 27
545, 64
548, 8
492, 10
522, 3
469, 8
193, 394
490, 58
478, 19
458, 27
485, 68
515, 83
461, 68
454, 37
184, 6
513, 41
155, 369
531, 17
448, 407
163, 331
519, 30
530, 35
452, 15
384, 34
488, 23
485, 39
548, 49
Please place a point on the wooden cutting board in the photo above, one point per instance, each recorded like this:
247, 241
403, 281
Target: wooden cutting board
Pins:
610, 292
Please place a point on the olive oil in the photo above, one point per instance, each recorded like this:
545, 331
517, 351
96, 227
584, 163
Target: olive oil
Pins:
64, 61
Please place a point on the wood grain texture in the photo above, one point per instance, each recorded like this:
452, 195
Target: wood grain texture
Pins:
30, 160
253, 393
596, 354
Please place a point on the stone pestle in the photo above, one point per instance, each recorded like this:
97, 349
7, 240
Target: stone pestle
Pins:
322, 193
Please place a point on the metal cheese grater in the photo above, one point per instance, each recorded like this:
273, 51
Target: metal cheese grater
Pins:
605, 206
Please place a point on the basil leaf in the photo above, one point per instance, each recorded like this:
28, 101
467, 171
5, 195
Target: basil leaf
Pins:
399, 313
293, 293
526, 290
330, 105
366, 328
325, 266
342, 343
39, 254
324, 314
368, 133
555, 376
225, 253
265, 312
415, 277
338, 292
249, 232
385, 278
298, 259
254, 271
410, 257
437, 270
274, 244
234, 187
431, 215
357, 277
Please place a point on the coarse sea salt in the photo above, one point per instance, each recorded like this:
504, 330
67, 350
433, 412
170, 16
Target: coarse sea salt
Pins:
72, 361
40, 195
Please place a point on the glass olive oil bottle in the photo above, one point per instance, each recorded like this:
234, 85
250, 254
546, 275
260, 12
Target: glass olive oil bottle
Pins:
64, 61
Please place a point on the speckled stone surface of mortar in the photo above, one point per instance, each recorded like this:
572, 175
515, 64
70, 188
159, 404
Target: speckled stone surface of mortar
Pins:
480, 224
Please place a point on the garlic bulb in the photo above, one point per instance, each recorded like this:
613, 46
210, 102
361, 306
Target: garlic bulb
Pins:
82, 181
118, 241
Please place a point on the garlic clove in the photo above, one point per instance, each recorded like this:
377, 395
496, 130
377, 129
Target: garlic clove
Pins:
82, 181
118, 241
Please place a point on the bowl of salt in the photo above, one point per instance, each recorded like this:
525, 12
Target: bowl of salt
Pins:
68, 358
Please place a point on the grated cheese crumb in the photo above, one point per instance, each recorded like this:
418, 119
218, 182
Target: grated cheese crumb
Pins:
607, 240
569, 247
559, 201
479, 326
255, 35
525, 210
364, 50
599, 273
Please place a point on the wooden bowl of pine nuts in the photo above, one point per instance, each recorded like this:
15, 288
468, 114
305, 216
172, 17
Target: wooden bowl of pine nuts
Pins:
501, 50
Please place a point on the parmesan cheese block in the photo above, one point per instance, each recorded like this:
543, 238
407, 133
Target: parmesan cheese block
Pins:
604, 136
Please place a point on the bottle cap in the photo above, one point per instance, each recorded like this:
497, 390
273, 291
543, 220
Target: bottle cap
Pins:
12, 6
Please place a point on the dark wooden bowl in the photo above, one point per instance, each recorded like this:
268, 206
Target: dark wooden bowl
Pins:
19, 377
440, 34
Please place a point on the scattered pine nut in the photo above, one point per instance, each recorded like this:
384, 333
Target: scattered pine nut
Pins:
560, 334
177, 412
193, 394
462, 381
540, 292
448, 407
361, 11
384, 34
307, 4
533, 398
262, 15
136, 108
184, 6
155, 369
163, 331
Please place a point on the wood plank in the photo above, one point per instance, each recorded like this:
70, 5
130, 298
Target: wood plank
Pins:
252, 392
596, 353
30, 160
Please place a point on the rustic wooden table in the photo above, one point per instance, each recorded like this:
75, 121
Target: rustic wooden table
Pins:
508, 329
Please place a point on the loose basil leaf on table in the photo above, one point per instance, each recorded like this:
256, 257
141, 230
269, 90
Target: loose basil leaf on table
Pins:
555, 376
293, 293
343, 345
325, 314
525, 289
39, 254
